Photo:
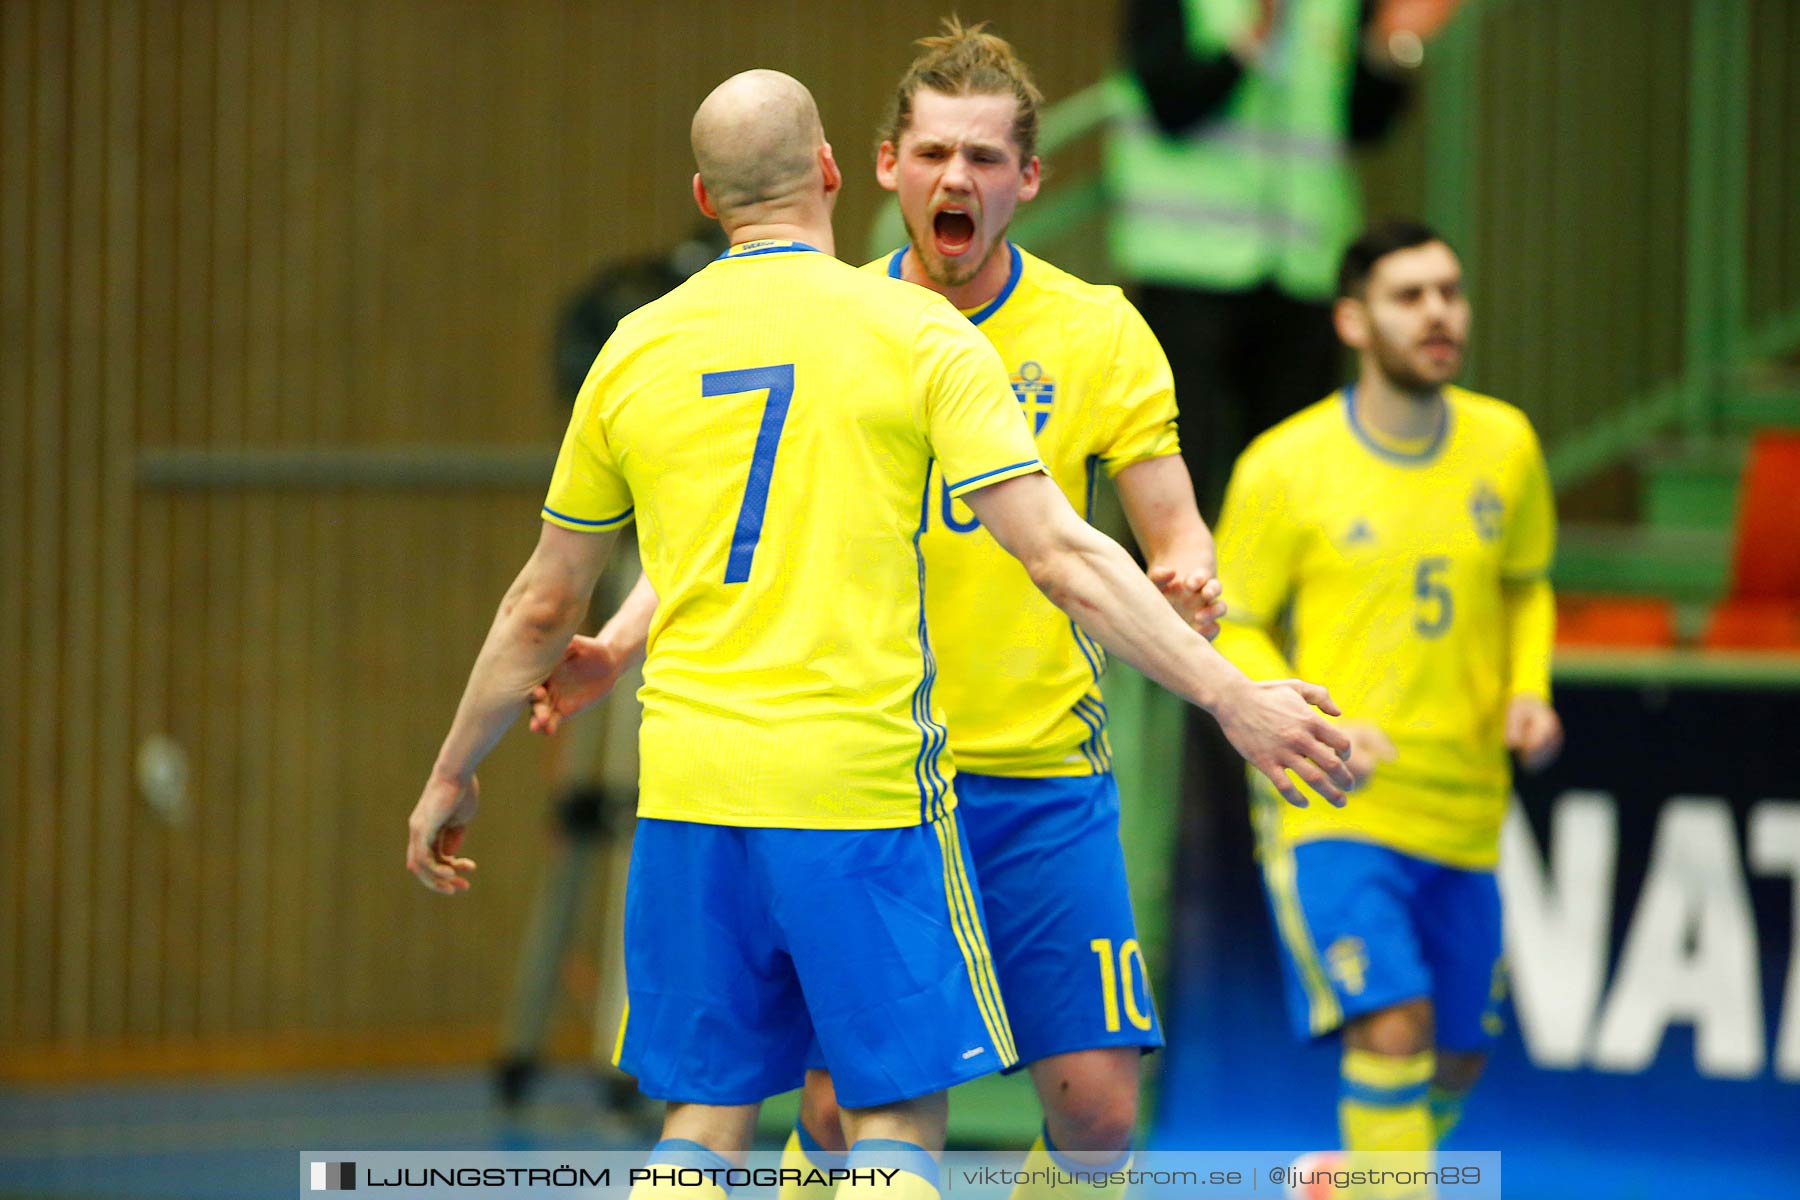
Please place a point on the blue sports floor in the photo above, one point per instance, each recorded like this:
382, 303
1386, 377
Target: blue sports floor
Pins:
1562, 1137
1234, 1078
239, 1138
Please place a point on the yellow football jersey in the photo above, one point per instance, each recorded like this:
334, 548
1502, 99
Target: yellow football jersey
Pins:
1020, 680
770, 424
1381, 570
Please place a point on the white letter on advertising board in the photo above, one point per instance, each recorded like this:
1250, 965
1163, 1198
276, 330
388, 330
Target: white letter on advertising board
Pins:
1775, 850
1558, 921
1691, 952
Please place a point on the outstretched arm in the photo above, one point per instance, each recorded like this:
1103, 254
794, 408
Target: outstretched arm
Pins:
1090, 577
540, 610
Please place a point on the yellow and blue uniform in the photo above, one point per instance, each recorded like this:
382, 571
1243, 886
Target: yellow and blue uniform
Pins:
1095, 387
1021, 681
770, 425
1411, 580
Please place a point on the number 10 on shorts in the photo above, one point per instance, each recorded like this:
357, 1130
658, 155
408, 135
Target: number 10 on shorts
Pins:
1119, 984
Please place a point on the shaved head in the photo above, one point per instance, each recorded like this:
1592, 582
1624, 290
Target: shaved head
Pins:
756, 140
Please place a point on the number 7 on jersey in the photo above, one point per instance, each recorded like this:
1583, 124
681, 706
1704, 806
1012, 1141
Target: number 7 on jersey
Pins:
778, 381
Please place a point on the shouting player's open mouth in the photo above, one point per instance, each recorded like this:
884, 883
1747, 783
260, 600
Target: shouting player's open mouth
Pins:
952, 229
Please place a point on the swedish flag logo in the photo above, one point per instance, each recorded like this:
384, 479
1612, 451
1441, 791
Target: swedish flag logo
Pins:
1036, 392
1488, 510
1348, 961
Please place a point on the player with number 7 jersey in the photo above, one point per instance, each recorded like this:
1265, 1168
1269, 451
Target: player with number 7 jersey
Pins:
770, 425
778, 465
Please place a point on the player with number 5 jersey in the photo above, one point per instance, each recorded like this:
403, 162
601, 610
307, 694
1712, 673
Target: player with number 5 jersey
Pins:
1396, 539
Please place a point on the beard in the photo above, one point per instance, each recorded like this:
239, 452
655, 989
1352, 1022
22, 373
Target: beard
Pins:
1397, 365
947, 272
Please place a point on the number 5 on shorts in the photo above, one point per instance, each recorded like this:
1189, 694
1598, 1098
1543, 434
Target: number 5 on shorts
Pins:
778, 381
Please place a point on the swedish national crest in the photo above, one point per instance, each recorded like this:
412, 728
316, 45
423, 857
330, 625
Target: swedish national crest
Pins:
1036, 392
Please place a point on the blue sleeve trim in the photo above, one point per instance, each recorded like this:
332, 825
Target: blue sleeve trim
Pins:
1030, 462
608, 523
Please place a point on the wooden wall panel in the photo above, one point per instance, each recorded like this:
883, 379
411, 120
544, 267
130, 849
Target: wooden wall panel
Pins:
151, 563
46, 378
78, 695
258, 386
15, 295
190, 896
282, 381
119, 354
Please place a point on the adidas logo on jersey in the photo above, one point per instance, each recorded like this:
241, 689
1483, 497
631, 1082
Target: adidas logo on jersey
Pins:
1360, 533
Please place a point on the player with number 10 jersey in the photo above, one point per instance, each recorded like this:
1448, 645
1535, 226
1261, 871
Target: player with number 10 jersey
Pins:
1020, 678
1096, 390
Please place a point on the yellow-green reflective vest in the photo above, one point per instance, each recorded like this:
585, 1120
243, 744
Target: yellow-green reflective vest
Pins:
1262, 190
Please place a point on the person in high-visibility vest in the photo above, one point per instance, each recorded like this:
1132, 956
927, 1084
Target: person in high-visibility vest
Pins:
1233, 196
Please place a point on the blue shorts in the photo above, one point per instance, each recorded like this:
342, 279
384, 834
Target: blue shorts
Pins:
743, 945
1059, 912
1362, 928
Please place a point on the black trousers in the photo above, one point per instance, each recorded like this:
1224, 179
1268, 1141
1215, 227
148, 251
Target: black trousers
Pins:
1242, 362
